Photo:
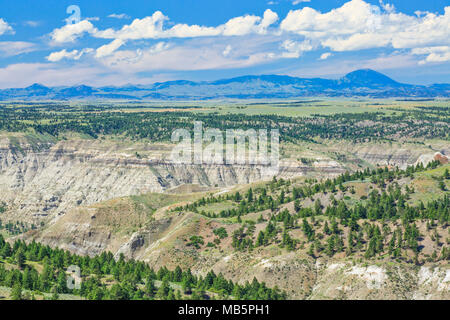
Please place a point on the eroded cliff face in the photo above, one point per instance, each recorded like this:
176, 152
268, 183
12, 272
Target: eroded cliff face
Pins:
42, 181
396, 153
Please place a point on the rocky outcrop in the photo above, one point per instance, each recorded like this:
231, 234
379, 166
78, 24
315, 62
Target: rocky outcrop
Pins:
392, 156
144, 238
427, 158
345, 280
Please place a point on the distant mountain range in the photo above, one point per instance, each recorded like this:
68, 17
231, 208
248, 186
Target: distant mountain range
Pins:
359, 83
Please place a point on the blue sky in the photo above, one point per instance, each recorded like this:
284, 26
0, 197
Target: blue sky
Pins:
144, 41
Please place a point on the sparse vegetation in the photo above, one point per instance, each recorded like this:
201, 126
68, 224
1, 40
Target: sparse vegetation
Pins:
382, 223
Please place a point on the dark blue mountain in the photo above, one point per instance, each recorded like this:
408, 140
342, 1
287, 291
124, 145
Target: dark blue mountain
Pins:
266, 78
78, 91
368, 78
38, 89
359, 83
167, 84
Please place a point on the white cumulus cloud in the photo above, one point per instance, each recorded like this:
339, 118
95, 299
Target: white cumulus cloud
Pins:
433, 54
109, 48
146, 28
5, 27
359, 25
152, 27
71, 55
325, 55
389, 7
70, 32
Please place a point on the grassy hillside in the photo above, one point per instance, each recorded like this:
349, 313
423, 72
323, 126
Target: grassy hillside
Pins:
281, 231
108, 225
